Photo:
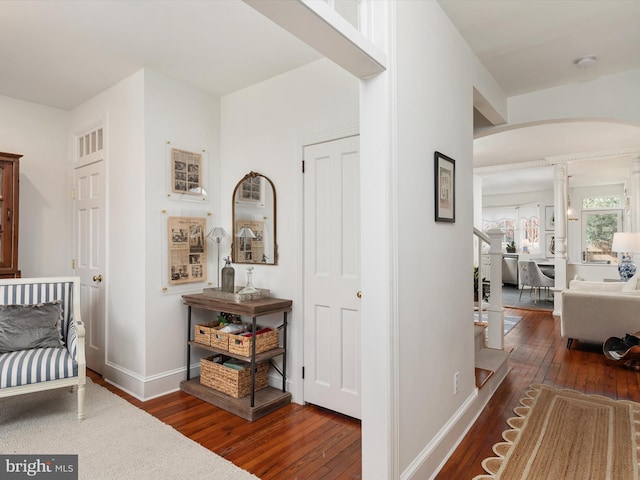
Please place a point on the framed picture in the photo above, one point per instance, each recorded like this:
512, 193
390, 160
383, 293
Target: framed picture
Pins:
549, 218
186, 171
550, 245
445, 188
187, 249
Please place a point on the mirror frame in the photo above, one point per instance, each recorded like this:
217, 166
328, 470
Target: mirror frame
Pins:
234, 258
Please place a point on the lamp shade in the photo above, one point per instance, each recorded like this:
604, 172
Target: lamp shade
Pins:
245, 232
626, 242
217, 234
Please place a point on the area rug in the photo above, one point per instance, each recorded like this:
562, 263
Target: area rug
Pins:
509, 321
115, 441
565, 434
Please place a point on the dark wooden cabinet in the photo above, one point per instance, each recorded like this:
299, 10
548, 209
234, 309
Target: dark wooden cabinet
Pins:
9, 214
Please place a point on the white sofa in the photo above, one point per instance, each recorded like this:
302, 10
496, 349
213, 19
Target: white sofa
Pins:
596, 311
41, 336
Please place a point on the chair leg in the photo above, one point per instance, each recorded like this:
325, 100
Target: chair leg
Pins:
569, 342
81, 402
521, 289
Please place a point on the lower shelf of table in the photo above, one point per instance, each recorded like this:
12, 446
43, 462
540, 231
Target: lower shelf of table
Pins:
267, 400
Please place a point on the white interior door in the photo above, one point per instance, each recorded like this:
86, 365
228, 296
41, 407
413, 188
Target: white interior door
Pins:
89, 256
332, 360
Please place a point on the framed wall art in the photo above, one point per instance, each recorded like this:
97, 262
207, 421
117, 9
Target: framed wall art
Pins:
549, 217
187, 249
445, 188
186, 173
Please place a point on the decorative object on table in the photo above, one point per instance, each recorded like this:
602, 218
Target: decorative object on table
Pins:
626, 243
445, 188
249, 288
236, 296
217, 234
228, 277
511, 247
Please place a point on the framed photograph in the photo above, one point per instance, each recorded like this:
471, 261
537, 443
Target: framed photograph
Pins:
187, 249
186, 170
445, 188
550, 245
549, 217
186, 173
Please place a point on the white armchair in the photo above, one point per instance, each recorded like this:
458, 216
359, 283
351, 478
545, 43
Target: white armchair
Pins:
41, 336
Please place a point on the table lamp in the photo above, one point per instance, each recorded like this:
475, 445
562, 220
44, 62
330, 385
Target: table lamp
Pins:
217, 234
626, 243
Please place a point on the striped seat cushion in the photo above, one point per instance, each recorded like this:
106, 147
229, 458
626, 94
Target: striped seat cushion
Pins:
37, 365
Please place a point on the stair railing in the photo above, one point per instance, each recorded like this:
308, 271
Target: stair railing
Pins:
495, 311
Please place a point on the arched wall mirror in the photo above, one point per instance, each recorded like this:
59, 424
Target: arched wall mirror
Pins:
254, 221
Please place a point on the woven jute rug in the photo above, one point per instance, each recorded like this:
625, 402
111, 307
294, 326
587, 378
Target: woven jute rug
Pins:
564, 434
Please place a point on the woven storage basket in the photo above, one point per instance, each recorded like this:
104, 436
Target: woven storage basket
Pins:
241, 345
235, 383
202, 333
219, 340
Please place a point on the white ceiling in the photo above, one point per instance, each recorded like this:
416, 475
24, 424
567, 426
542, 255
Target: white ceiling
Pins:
530, 45
61, 53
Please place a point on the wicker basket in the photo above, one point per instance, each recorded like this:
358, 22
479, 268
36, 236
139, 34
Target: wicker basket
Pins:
235, 383
202, 333
241, 345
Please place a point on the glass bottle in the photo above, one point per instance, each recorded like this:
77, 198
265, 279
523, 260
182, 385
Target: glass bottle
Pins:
228, 277
249, 288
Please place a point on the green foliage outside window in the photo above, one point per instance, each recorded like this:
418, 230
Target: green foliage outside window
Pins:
601, 202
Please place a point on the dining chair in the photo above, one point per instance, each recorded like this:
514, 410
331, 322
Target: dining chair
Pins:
538, 280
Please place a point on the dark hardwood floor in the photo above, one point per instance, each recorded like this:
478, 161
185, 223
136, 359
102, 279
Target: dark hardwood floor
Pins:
306, 442
539, 356
294, 442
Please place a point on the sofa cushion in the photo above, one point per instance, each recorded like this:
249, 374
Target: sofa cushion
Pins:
23, 327
631, 285
584, 285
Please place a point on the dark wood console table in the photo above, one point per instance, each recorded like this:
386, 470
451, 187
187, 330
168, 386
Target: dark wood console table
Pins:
258, 403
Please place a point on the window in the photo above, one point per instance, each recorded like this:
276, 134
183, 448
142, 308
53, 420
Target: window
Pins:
601, 218
598, 227
520, 224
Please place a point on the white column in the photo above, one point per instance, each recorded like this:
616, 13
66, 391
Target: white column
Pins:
560, 212
634, 194
495, 329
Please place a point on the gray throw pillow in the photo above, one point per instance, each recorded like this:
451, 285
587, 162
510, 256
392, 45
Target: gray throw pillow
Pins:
23, 327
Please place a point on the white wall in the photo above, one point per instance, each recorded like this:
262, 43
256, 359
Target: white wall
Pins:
121, 108
189, 119
39, 133
145, 325
263, 128
435, 74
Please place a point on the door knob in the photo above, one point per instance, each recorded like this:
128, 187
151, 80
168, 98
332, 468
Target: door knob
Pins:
359, 294
97, 278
